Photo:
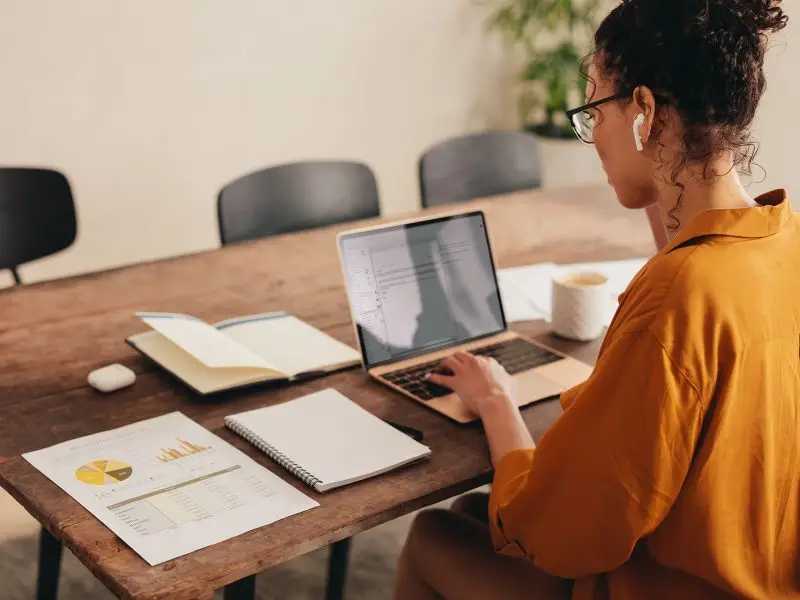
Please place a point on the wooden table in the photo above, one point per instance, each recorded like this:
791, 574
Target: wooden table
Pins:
53, 334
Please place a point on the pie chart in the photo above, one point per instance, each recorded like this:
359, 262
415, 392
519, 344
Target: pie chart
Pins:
103, 472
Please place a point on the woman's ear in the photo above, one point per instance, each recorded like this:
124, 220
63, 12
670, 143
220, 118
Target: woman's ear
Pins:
644, 103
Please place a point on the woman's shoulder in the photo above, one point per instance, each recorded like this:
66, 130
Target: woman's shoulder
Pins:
683, 295
663, 285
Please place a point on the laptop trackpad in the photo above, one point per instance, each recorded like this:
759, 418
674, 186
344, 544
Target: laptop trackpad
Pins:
568, 372
533, 387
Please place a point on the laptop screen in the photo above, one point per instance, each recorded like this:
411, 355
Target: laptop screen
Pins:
421, 287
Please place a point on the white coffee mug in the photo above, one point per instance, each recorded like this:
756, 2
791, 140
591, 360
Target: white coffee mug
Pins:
580, 305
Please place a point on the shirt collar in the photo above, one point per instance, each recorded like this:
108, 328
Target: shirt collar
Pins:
773, 211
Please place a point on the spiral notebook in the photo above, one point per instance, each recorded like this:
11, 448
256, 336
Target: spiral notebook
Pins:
326, 440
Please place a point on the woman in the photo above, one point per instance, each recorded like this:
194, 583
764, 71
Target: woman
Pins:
674, 470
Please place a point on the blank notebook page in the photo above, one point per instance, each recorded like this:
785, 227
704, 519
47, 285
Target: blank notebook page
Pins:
290, 344
331, 437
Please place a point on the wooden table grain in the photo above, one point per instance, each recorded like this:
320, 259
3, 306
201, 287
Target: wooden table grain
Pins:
53, 334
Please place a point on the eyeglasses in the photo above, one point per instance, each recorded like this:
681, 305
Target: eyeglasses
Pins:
582, 118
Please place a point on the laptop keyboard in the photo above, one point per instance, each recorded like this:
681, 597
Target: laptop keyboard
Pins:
516, 355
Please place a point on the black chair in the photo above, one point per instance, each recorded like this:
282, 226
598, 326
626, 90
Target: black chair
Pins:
283, 199
37, 216
37, 219
296, 196
478, 165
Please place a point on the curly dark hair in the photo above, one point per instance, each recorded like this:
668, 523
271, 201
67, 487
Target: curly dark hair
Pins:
706, 58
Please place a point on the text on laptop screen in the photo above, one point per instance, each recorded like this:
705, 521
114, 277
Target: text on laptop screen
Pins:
421, 287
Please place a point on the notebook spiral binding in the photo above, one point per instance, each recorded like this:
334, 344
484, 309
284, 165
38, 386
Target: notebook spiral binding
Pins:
283, 460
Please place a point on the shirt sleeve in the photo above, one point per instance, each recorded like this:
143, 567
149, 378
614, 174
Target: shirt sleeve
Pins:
608, 470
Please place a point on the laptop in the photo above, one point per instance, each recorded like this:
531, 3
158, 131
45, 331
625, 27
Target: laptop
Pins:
422, 290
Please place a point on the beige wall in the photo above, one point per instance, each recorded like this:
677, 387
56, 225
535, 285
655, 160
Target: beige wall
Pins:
777, 128
151, 106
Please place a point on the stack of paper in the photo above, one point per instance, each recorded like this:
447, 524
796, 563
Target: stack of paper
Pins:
527, 291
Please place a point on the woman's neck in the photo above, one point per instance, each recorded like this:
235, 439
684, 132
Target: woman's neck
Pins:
698, 196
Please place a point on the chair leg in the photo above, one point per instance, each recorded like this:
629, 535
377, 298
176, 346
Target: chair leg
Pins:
337, 570
50, 550
15, 275
244, 589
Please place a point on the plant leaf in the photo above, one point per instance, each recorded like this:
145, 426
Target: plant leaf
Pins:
538, 70
553, 60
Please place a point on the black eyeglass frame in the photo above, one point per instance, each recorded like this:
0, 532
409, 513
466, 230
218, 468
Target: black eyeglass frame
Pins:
571, 113
575, 111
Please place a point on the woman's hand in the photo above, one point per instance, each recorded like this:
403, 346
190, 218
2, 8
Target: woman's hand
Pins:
480, 382
490, 392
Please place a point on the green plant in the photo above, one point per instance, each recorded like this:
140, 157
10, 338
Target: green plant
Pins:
554, 35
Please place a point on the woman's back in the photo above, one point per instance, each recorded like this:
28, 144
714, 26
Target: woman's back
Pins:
729, 278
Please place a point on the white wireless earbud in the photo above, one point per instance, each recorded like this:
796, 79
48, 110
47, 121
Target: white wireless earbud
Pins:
637, 137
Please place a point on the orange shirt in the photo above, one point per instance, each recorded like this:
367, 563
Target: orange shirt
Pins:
674, 472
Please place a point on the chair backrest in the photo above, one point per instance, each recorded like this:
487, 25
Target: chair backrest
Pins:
477, 165
296, 196
37, 216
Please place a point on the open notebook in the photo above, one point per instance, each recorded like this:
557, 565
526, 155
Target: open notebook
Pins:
326, 440
239, 352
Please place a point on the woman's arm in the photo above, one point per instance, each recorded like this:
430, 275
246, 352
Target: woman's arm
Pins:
608, 470
505, 429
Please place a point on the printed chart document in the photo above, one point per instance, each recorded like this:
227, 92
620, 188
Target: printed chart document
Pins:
168, 486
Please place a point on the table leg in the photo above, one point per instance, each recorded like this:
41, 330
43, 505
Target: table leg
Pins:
337, 570
244, 589
49, 566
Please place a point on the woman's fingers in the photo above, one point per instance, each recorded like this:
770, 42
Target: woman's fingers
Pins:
450, 369
439, 379
463, 357
452, 363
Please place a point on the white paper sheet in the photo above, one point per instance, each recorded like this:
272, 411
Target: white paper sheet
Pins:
167, 486
530, 288
529, 291
207, 344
